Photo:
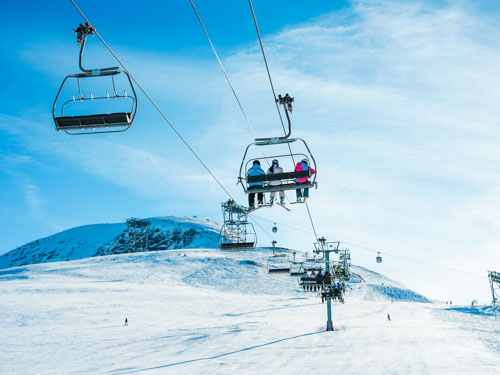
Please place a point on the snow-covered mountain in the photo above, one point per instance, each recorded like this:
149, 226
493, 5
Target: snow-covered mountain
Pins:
166, 233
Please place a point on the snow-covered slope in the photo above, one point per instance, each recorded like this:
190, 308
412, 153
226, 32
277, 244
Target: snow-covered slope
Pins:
103, 239
207, 312
376, 287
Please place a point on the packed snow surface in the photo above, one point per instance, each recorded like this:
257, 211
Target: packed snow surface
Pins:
202, 311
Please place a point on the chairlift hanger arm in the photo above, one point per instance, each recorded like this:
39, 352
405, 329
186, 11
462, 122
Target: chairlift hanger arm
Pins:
82, 31
286, 101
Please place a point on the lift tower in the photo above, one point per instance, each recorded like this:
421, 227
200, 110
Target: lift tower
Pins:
494, 278
138, 234
326, 248
237, 233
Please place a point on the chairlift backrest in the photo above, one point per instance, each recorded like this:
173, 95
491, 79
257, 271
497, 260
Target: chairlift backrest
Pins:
287, 180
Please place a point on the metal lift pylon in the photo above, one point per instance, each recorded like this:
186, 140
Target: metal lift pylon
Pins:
321, 246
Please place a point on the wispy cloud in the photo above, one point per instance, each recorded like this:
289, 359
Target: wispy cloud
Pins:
33, 199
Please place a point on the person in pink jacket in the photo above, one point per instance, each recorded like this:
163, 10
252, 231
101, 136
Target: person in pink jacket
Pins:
303, 194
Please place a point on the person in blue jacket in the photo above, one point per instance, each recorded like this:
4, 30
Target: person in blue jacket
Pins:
256, 170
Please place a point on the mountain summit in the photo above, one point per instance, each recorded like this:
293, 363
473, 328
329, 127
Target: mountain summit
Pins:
166, 233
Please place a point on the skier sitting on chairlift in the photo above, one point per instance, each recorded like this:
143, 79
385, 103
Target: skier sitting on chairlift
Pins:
312, 276
256, 170
337, 273
303, 166
328, 277
275, 168
319, 276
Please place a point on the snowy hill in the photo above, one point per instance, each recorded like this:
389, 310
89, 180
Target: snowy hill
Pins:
104, 239
209, 312
377, 287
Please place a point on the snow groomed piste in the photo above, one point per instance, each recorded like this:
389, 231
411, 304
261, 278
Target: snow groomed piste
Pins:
203, 311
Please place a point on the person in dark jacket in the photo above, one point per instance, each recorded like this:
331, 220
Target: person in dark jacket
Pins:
256, 170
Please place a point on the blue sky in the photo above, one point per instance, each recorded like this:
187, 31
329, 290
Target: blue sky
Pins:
398, 101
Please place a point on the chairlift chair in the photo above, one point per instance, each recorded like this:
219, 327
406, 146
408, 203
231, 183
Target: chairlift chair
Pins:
283, 144
111, 110
237, 236
379, 258
309, 283
275, 228
296, 269
278, 263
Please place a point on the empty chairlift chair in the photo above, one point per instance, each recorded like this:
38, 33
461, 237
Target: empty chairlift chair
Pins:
240, 236
278, 263
237, 233
109, 105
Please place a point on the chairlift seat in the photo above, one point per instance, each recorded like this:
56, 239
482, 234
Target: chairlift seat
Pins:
282, 187
238, 245
286, 177
279, 270
93, 121
315, 269
279, 176
315, 280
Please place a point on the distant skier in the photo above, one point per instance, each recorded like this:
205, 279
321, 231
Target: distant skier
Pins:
126, 321
388, 317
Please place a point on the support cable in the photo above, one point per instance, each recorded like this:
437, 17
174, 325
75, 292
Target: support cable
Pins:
276, 101
312, 223
252, 130
223, 69
152, 102
267, 67
372, 250
160, 112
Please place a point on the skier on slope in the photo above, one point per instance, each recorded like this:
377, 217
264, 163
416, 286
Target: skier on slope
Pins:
256, 170
275, 168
